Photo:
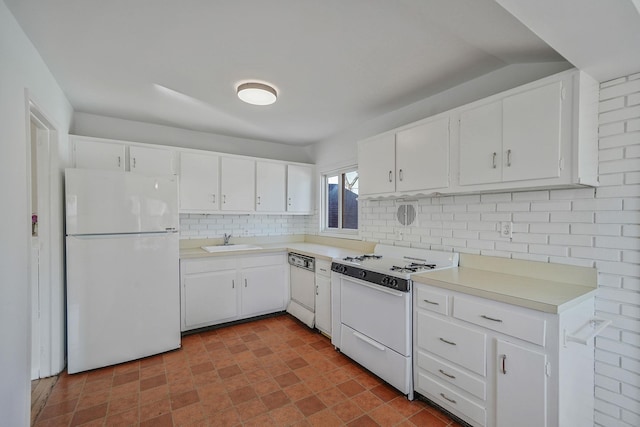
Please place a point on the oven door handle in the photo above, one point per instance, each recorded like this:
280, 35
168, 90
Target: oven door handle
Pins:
369, 341
376, 287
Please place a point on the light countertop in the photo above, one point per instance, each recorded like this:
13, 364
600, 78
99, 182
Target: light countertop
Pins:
552, 291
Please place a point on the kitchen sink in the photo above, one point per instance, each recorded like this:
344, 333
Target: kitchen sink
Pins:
229, 248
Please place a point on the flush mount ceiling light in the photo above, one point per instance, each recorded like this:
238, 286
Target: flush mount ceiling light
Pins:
257, 93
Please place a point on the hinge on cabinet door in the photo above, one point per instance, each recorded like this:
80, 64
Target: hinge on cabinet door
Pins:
547, 369
561, 163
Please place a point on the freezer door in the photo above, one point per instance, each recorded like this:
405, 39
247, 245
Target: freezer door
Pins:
106, 202
123, 298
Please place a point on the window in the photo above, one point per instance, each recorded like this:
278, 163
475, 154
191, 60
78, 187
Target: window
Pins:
341, 201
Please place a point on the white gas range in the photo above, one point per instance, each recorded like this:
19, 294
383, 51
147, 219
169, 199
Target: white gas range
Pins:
372, 308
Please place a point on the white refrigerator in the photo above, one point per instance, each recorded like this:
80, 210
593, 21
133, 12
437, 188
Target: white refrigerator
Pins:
122, 246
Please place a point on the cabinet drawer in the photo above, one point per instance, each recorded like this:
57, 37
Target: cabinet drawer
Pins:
203, 265
457, 344
501, 319
452, 375
323, 268
432, 301
449, 399
262, 260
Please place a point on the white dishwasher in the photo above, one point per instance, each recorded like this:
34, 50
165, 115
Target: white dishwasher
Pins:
303, 288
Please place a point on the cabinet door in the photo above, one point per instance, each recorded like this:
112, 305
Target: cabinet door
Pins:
151, 161
209, 298
531, 134
481, 144
521, 386
377, 164
422, 156
238, 184
299, 188
270, 187
323, 303
263, 290
199, 182
100, 155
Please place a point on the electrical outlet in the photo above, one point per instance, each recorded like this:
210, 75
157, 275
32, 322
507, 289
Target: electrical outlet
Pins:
506, 229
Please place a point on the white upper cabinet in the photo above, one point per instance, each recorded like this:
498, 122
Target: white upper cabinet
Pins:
412, 159
271, 186
299, 189
531, 133
377, 164
151, 161
422, 156
481, 144
540, 135
199, 182
90, 154
238, 184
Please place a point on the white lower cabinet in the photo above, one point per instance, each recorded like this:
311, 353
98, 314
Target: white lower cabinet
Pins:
521, 373
496, 364
323, 296
222, 289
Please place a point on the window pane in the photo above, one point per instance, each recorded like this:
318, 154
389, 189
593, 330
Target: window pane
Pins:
333, 190
350, 201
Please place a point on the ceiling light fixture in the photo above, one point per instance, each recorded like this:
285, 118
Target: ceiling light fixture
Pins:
257, 93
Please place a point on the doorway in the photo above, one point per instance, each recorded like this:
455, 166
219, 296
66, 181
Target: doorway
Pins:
41, 176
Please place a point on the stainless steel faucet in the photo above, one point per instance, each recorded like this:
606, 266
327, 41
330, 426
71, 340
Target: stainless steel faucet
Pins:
226, 238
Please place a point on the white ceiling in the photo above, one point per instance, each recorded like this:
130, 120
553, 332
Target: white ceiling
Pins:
335, 63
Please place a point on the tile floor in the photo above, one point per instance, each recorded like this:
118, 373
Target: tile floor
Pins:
270, 372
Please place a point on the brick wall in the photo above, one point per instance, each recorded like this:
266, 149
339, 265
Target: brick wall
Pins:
586, 226
201, 226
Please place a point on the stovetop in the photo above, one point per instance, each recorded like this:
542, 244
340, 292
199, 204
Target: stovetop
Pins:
392, 266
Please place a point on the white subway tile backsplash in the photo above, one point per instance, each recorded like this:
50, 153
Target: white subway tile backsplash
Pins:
570, 240
572, 217
531, 217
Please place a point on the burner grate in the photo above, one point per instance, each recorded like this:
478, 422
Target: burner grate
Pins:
361, 257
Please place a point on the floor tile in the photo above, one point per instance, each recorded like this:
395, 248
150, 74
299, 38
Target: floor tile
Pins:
270, 372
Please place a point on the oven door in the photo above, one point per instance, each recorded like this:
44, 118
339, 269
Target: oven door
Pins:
379, 313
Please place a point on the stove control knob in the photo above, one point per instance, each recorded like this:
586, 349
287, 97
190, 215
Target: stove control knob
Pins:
394, 283
385, 280
362, 274
343, 269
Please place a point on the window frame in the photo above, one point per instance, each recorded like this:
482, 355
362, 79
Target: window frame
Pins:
348, 233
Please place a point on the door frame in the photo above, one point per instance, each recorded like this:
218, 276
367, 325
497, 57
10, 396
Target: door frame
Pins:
49, 325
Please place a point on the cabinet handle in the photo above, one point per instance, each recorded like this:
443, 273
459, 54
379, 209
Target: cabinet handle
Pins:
245, 283
390, 176
447, 342
233, 284
509, 157
431, 302
224, 198
503, 359
119, 161
258, 199
493, 161
453, 377
400, 174
448, 398
493, 319
213, 198
134, 162
289, 201
317, 292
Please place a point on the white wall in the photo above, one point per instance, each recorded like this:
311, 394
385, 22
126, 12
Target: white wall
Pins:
341, 150
128, 130
589, 227
21, 68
